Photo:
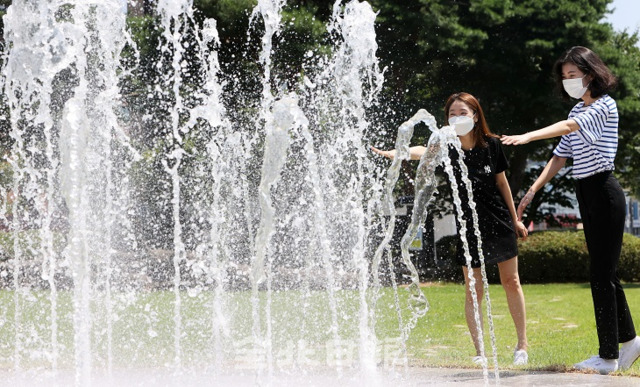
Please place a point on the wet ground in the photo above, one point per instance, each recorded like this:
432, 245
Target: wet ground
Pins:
414, 376
462, 377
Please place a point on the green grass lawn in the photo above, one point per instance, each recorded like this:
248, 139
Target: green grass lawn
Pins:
560, 320
560, 327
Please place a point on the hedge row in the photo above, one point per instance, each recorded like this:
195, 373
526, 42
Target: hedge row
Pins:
29, 244
552, 256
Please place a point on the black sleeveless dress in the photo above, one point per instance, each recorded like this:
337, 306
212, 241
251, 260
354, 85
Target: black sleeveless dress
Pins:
499, 241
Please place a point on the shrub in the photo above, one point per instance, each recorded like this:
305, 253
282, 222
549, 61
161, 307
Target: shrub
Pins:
552, 256
29, 243
629, 266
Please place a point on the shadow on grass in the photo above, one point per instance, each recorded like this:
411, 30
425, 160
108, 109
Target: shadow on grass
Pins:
586, 285
550, 368
625, 285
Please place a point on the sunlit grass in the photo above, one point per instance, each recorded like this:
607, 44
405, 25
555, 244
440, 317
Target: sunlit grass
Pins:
560, 327
560, 324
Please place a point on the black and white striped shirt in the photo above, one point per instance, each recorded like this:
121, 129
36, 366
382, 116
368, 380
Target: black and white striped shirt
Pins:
593, 147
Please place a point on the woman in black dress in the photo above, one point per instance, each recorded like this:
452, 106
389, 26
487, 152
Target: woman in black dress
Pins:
499, 225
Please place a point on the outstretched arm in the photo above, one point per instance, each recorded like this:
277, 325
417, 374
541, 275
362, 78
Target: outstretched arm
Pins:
550, 170
558, 129
415, 152
505, 191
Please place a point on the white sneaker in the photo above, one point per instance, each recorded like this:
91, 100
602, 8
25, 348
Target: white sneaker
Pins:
629, 353
480, 360
596, 363
520, 357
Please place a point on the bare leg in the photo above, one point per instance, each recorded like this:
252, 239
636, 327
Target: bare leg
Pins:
515, 299
468, 306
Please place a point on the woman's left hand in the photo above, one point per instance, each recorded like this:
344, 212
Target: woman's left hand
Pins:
526, 200
519, 139
521, 230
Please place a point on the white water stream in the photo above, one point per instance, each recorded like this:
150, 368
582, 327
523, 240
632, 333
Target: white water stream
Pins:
154, 230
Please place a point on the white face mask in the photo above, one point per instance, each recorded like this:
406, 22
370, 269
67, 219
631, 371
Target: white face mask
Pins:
461, 124
574, 87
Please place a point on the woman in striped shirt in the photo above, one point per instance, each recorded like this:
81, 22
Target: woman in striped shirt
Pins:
590, 138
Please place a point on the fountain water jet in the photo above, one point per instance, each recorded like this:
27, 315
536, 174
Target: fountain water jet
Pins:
426, 183
300, 234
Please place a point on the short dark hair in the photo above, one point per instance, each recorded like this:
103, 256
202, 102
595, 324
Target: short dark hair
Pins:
590, 64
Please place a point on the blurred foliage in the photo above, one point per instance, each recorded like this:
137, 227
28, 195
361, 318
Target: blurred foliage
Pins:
554, 192
503, 52
29, 244
550, 256
556, 256
6, 174
500, 51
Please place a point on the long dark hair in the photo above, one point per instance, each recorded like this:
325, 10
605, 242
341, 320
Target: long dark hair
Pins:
602, 82
480, 129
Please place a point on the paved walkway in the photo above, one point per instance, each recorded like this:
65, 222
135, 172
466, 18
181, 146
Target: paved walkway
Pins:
468, 377
415, 377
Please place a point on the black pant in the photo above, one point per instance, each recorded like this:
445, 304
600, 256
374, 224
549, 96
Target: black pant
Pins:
602, 207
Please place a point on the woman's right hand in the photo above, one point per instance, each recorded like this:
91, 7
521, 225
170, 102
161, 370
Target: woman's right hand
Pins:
388, 154
518, 139
528, 197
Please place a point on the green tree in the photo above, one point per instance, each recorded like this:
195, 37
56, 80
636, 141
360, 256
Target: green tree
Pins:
621, 52
503, 52
500, 51
5, 139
